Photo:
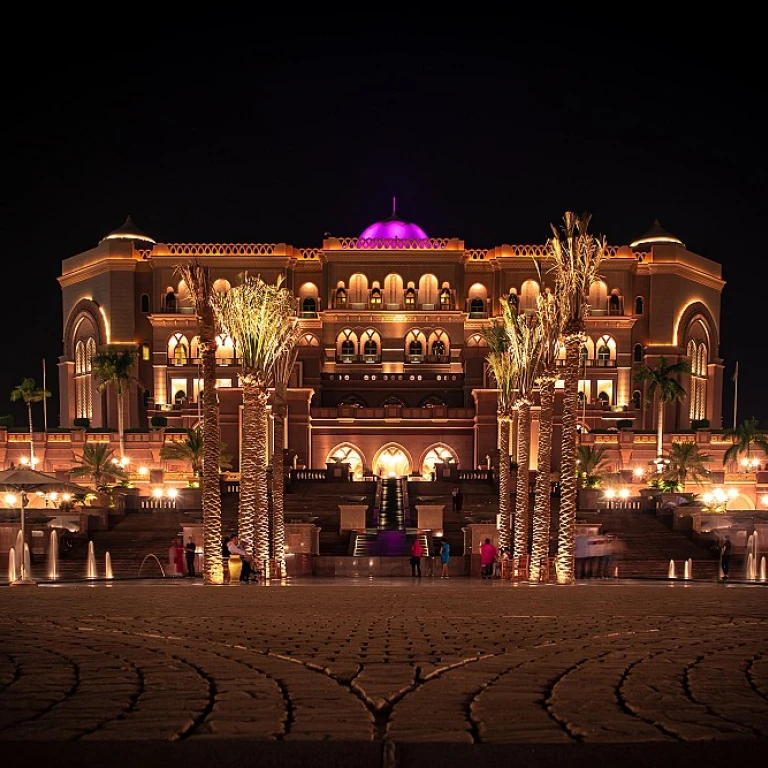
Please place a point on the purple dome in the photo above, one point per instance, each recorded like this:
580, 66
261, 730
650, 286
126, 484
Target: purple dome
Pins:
393, 227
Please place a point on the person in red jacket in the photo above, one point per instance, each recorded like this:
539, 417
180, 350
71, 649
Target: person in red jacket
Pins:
416, 552
487, 559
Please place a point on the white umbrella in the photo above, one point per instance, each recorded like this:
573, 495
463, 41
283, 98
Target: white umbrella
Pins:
22, 481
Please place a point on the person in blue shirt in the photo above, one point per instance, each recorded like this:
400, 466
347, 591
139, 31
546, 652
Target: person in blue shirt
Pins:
445, 557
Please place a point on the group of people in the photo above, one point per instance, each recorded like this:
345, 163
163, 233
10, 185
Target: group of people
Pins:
418, 551
181, 553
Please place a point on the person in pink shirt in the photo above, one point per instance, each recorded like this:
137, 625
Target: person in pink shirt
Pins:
487, 559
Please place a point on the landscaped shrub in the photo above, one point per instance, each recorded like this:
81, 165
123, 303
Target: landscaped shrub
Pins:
624, 424
159, 421
700, 424
81, 422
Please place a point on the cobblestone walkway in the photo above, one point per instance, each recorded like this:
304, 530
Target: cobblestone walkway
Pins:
382, 673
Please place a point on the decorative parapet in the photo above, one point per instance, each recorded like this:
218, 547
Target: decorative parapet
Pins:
395, 243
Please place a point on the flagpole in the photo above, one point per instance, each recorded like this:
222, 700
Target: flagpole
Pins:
45, 404
735, 392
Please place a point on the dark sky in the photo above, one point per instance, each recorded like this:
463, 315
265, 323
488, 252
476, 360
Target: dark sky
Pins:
486, 129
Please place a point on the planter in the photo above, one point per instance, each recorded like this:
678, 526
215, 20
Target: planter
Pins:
235, 568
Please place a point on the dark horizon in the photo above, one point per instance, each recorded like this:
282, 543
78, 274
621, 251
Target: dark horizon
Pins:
478, 135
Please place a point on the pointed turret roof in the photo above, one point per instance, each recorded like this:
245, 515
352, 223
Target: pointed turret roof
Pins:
128, 231
655, 235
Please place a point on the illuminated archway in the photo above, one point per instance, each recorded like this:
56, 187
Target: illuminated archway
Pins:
436, 453
348, 454
392, 461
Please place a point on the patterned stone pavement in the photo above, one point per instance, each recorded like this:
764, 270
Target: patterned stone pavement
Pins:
389, 672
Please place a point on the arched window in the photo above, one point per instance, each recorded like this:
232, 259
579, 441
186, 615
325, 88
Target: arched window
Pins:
371, 342
85, 349
170, 301
598, 294
637, 353
178, 349
529, 294
639, 305
309, 306
476, 306
392, 400
225, 350
145, 303
393, 291
358, 291
437, 454
376, 298
415, 343
445, 298
513, 300
637, 399
614, 303
697, 396
347, 351
348, 454
428, 291
341, 298
430, 401
438, 348
410, 298
606, 351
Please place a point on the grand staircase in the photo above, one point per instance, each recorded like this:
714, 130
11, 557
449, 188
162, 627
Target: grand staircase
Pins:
390, 534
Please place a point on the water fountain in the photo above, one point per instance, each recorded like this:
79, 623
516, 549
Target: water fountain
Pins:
156, 559
750, 569
688, 568
53, 556
12, 576
19, 544
27, 561
762, 568
92, 573
108, 567
671, 571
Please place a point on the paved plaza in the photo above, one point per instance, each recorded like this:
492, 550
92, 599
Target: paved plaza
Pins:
399, 672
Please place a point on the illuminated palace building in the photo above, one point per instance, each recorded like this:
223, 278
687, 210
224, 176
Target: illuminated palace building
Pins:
391, 375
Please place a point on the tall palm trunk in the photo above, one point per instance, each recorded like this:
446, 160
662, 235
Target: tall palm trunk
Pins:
31, 438
660, 429
523, 476
213, 570
504, 490
248, 462
568, 490
542, 508
278, 484
262, 491
121, 423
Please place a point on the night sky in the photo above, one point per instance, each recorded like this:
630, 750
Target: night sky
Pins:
278, 130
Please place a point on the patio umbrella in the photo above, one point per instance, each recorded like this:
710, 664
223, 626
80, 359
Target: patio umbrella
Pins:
24, 481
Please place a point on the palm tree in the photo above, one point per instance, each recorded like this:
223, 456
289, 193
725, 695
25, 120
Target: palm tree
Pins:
29, 392
686, 463
524, 336
98, 462
503, 369
112, 367
551, 327
745, 436
192, 450
198, 280
592, 465
283, 369
576, 255
255, 315
664, 386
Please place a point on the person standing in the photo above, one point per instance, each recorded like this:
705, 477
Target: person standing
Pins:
445, 558
487, 559
725, 557
178, 557
454, 499
190, 550
416, 552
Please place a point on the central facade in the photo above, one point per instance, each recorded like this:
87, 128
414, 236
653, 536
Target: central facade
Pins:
391, 376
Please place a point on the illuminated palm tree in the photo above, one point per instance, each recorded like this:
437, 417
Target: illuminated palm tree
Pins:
686, 463
503, 369
525, 340
664, 386
592, 465
745, 436
29, 392
255, 315
198, 281
283, 369
551, 328
112, 367
98, 462
576, 255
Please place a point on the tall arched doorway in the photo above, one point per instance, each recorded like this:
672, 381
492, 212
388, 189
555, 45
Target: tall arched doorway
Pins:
392, 461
